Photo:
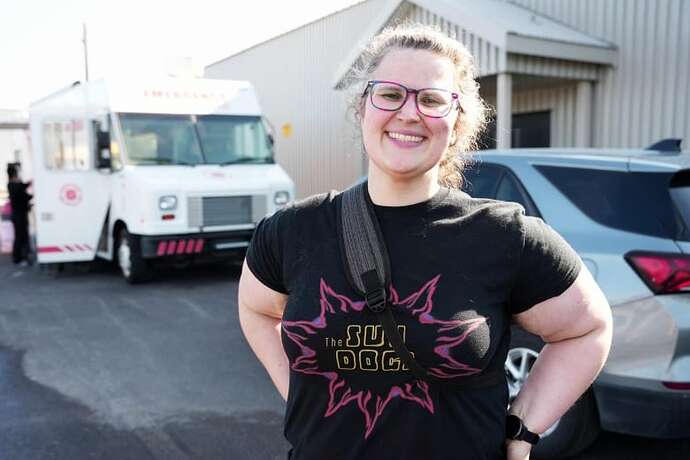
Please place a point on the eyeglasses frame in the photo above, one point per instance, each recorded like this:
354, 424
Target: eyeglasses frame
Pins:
371, 83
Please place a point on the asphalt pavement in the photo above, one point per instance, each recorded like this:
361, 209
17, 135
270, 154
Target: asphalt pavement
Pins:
93, 368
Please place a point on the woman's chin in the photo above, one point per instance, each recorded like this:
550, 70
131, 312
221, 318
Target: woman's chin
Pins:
404, 171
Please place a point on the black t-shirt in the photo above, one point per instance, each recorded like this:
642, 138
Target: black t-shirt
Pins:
460, 268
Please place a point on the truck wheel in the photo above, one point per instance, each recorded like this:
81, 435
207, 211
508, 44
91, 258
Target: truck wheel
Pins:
133, 267
576, 429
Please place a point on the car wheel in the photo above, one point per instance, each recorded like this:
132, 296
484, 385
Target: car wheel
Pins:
132, 266
576, 429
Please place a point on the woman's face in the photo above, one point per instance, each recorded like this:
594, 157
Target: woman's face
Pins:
405, 144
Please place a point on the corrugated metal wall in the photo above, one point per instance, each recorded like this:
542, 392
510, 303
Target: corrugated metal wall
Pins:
560, 101
293, 75
486, 55
647, 96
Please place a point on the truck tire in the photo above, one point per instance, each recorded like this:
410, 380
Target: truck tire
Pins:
128, 255
576, 429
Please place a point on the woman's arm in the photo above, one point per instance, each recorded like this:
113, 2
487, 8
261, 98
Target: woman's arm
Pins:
576, 327
261, 310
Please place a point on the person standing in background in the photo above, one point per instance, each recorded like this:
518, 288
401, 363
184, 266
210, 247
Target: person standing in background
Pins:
20, 202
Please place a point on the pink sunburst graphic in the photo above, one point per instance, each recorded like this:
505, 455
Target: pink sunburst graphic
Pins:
449, 334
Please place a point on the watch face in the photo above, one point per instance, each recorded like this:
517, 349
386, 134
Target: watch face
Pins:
513, 426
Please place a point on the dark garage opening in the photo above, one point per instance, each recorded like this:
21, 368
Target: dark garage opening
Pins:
529, 130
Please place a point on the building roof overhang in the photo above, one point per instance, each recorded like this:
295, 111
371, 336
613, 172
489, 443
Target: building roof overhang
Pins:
570, 51
13, 119
10, 125
509, 27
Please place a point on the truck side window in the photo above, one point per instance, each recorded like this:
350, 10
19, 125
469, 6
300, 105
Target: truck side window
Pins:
66, 145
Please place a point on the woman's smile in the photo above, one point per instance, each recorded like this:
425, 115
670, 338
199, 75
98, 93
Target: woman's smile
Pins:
405, 140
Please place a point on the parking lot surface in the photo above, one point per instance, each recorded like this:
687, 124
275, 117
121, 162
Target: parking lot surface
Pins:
93, 368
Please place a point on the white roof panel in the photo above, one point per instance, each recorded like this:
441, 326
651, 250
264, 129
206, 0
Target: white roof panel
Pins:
508, 19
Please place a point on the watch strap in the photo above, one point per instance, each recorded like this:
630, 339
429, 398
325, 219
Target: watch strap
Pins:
522, 434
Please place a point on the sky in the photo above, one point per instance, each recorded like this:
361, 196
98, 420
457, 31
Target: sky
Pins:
41, 48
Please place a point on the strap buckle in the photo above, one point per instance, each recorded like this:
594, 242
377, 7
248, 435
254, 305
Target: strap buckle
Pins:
376, 300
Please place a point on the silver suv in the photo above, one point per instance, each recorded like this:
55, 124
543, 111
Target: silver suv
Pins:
627, 214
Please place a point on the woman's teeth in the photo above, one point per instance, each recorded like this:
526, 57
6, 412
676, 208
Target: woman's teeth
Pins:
405, 137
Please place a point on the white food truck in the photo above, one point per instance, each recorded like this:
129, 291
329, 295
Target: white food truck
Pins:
147, 172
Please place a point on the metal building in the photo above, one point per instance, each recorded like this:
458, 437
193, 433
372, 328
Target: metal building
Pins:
566, 73
14, 145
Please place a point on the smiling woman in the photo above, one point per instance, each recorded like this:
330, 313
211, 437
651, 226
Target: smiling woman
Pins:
461, 270
433, 56
401, 140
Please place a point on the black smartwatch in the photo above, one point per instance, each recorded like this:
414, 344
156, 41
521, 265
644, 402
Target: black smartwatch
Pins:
517, 430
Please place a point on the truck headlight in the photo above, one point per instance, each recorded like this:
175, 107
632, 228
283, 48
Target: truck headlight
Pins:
281, 198
167, 203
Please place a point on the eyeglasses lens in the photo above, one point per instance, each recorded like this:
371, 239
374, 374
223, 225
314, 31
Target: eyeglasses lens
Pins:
430, 102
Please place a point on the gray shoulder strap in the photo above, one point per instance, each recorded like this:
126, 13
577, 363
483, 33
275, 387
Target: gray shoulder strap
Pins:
363, 244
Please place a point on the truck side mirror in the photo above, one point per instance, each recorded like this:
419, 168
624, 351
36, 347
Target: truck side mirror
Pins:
270, 131
103, 149
103, 139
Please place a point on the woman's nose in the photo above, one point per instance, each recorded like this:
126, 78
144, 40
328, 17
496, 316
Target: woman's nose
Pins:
408, 111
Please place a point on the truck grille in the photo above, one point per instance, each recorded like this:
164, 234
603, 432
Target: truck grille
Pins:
215, 211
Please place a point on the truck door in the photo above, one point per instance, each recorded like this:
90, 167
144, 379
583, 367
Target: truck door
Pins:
72, 194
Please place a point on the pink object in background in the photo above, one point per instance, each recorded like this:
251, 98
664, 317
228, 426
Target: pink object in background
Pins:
6, 229
6, 210
6, 237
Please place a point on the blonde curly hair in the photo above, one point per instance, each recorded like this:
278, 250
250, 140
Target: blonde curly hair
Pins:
475, 112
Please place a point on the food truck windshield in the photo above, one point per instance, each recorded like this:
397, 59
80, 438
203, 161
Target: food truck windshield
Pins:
155, 139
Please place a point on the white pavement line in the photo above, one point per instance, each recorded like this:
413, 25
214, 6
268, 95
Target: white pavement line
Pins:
145, 348
66, 319
87, 380
8, 336
161, 445
60, 370
34, 315
135, 305
198, 309
18, 323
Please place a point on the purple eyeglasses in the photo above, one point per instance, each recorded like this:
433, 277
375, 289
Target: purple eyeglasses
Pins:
430, 102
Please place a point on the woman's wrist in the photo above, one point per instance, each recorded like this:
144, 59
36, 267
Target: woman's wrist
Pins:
517, 450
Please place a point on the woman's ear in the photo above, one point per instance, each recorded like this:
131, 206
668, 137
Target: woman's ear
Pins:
361, 107
453, 138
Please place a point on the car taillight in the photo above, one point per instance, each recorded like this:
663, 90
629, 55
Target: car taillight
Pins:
663, 273
677, 385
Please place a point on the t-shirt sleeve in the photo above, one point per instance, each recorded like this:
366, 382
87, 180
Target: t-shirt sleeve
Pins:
548, 265
265, 252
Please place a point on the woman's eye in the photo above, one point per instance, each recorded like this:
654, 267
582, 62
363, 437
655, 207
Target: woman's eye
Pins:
391, 96
431, 101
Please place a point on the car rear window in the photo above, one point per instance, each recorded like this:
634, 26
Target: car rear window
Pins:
638, 202
481, 180
497, 182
